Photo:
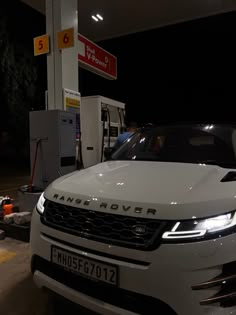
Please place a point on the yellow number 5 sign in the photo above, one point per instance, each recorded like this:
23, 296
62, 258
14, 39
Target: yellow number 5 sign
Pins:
41, 45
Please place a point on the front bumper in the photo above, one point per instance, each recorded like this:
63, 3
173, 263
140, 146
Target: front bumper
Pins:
160, 279
43, 281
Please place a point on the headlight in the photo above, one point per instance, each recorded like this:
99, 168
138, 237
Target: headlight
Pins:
40, 204
200, 228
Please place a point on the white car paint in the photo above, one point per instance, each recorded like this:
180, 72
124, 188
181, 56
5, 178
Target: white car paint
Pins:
177, 191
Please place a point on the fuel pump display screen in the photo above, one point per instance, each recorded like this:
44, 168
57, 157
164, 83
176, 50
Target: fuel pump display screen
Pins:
113, 131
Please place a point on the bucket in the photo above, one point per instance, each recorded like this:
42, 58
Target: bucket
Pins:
28, 197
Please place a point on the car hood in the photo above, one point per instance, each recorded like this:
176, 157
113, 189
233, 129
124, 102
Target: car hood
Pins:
157, 190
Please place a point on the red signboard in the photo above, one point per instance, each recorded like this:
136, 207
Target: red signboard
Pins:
96, 59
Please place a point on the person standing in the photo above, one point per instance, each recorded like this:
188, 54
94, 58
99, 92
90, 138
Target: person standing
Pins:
131, 129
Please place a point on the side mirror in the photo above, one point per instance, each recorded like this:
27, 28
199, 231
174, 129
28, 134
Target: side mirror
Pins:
108, 153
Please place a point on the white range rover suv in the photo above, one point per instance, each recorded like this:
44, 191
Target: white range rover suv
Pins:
151, 231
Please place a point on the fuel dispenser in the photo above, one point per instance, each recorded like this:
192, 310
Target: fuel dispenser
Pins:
52, 145
102, 120
53, 142
53, 137
52, 152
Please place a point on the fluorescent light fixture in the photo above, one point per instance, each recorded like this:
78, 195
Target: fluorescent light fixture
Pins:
100, 17
95, 18
209, 127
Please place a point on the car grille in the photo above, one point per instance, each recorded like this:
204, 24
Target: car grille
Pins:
126, 231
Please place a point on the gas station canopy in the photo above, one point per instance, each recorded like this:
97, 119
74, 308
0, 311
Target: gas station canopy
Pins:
122, 17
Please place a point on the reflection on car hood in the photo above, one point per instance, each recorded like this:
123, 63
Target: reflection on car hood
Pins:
174, 190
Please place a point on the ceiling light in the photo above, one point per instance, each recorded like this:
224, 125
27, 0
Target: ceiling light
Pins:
99, 16
95, 18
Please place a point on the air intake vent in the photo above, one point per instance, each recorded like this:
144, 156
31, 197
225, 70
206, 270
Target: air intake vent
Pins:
226, 283
230, 177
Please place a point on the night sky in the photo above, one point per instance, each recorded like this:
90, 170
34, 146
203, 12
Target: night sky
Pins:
174, 73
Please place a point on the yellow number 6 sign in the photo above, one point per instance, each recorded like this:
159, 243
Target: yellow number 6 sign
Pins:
65, 38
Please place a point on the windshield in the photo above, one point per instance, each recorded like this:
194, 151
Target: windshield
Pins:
206, 144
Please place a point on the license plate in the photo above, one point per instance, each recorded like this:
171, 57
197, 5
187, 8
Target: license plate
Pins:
85, 267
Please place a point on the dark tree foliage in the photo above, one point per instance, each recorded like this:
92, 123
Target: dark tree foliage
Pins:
19, 90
